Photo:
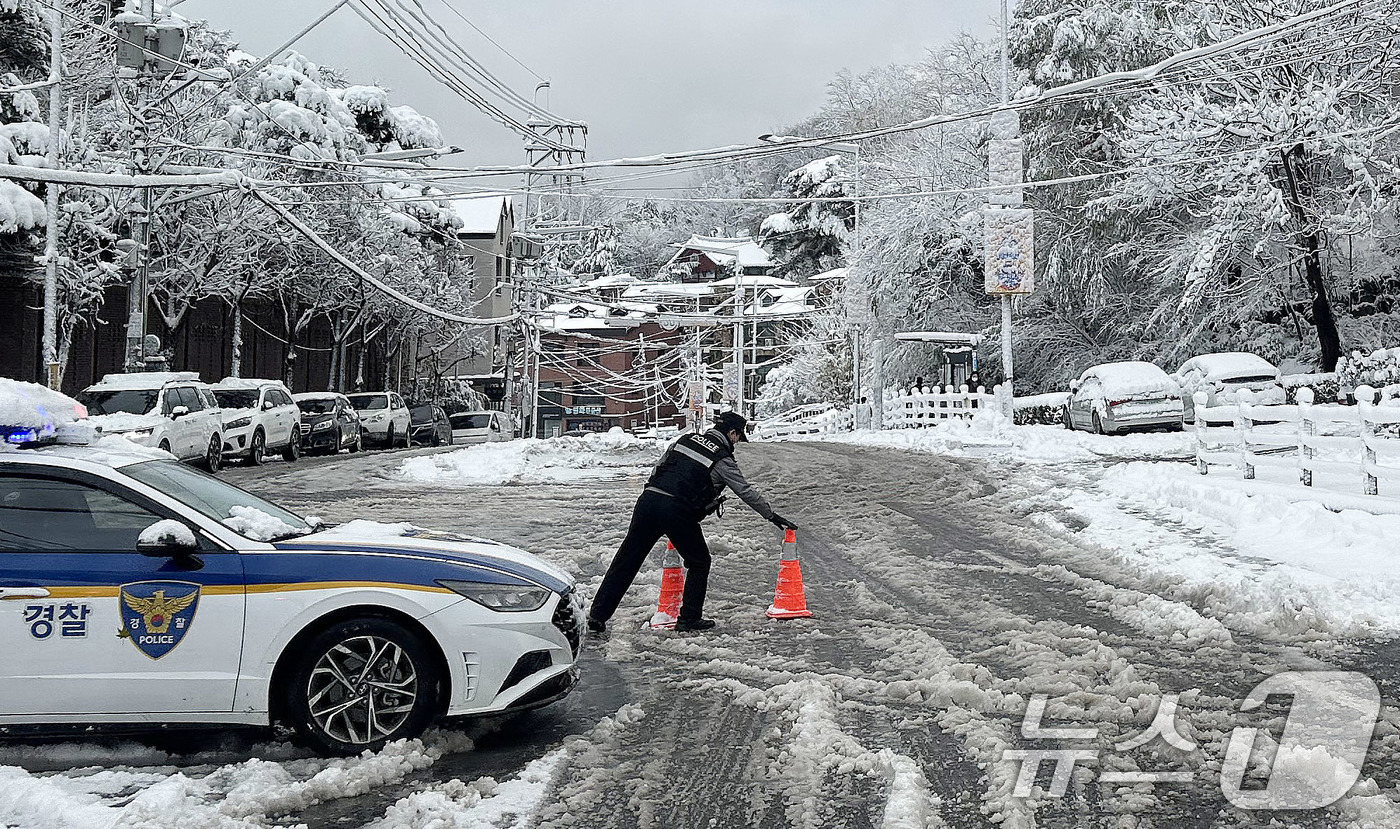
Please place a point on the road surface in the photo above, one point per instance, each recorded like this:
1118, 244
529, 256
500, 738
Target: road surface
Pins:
944, 600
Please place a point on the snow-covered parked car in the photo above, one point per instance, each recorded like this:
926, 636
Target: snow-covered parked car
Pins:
384, 417
481, 427
167, 410
328, 422
214, 606
1221, 376
1119, 397
259, 417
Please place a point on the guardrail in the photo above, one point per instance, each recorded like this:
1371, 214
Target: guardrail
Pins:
1245, 449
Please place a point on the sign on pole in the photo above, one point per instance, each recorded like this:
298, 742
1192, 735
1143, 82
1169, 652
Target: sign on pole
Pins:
731, 381
1010, 250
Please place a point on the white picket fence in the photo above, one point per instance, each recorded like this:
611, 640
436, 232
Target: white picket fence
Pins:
930, 405
1243, 447
903, 409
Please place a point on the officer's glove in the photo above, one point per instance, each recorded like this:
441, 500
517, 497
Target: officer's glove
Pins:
781, 522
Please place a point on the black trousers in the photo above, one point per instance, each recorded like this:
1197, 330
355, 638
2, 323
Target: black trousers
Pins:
654, 516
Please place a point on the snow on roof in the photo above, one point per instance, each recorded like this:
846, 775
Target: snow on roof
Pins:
144, 380
723, 250
834, 273
1132, 377
246, 383
662, 289
481, 215
317, 395
785, 301
1232, 364
750, 281
615, 280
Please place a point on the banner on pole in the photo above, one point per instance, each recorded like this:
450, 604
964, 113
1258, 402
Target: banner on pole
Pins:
1010, 250
731, 381
695, 395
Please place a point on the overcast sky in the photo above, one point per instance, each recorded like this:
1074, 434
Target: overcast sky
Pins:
647, 76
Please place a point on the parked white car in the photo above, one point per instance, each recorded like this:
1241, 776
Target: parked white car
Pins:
1221, 376
259, 417
1118, 397
481, 427
384, 417
168, 410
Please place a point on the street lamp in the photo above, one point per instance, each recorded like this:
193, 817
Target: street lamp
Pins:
853, 149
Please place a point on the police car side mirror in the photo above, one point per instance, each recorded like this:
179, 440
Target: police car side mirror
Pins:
167, 539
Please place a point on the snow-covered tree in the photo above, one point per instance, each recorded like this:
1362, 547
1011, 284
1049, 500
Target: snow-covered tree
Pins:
807, 238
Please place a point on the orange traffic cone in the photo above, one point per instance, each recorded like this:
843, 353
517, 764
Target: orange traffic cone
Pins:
790, 601
668, 607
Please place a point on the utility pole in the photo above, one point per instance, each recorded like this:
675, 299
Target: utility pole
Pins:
53, 371
139, 298
738, 336
1009, 396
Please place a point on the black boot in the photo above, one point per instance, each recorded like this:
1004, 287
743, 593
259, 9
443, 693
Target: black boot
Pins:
692, 625
595, 626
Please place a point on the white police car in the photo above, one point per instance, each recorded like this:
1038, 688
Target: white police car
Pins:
136, 590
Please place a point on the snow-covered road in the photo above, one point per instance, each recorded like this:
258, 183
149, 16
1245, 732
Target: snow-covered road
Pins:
947, 590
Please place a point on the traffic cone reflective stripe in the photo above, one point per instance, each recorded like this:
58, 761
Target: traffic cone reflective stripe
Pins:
668, 606
790, 600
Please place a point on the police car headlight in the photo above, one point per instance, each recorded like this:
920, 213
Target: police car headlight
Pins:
239, 423
506, 598
325, 424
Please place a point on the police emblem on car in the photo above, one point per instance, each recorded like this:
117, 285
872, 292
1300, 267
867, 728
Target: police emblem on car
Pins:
156, 615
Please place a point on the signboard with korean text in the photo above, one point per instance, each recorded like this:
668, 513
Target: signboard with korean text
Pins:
1009, 262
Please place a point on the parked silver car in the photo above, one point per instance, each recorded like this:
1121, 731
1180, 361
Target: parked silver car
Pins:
481, 427
1119, 397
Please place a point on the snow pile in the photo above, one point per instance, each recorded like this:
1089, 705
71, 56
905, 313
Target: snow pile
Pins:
251, 793
167, 532
481, 804
31, 406
258, 525
118, 422
990, 434
533, 461
1302, 564
1132, 378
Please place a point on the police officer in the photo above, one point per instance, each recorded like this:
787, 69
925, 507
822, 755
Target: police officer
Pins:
683, 489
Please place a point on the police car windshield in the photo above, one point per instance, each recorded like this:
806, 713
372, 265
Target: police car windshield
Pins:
130, 401
211, 496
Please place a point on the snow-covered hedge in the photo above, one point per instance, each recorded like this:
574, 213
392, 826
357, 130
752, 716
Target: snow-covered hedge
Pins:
1325, 386
1379, 368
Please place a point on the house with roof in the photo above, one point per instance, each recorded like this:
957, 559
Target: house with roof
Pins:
707, 258
488, 220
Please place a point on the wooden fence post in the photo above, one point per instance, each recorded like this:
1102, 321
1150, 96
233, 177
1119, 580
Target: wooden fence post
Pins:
1365, 399
1244, 428
1307, 430
1202, 445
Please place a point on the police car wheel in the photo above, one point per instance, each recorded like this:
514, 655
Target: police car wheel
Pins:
361, 683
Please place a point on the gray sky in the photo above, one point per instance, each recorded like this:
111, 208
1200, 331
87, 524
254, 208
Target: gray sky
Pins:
647, 76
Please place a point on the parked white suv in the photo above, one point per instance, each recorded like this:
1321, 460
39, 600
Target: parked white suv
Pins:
384, 417
259, 417
168, 410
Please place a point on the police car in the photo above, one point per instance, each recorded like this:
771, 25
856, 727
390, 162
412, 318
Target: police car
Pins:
135, 590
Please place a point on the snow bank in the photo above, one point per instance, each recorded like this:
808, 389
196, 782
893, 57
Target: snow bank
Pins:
990, 434
532, 461
1303, 565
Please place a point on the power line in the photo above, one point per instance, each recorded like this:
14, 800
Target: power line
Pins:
504, 50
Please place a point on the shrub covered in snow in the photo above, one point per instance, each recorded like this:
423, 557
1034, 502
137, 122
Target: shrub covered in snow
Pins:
1380, 368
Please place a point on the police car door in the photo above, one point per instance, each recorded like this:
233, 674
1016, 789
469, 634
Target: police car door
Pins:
90, 626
